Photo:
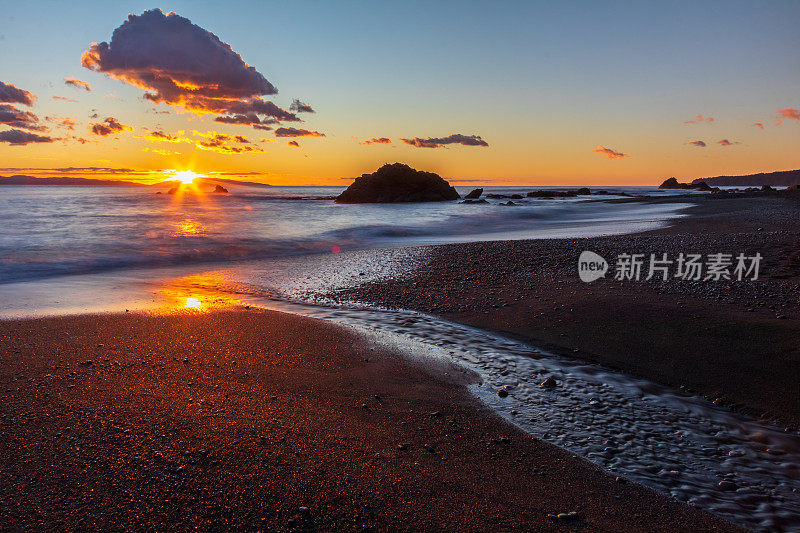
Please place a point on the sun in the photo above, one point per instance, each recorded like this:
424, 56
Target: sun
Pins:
186, 176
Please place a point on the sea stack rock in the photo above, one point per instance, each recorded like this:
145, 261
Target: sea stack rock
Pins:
220, 189
474, 194
398, 183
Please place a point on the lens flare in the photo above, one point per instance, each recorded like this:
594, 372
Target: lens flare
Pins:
193, 303
185, 176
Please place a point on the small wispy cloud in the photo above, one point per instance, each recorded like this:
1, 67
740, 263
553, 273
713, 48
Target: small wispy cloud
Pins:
697, 119
759, 125
441, 142
698, 143
610, 153
109, 126
726, 142
377, 140
297, 132
80, 84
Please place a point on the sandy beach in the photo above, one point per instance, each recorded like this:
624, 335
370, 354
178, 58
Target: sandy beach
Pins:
734, 342
256, 420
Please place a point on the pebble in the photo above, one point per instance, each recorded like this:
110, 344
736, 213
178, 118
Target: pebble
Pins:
549, 383
502, 393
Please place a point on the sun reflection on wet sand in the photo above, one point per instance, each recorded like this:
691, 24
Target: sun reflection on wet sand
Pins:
197, 293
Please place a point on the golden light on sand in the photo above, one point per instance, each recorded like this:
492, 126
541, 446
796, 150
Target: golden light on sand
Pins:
193, 303
185, 176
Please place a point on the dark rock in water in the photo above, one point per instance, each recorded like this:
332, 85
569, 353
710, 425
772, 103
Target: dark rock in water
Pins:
481, 201
502, 393
551, 194
172, 190
516, 197
672, 183
159, 192
549, 383
795, 187
767, 188
495, 196
398, 183
583, 191
474, 194
509, 203
220, 189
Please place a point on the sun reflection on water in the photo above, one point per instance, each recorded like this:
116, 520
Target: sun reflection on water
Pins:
188, 227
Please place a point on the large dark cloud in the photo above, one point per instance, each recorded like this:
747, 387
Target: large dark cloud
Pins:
182, 64
297, 132
439, 142
21, 138
109, 126
12, 95
17, 118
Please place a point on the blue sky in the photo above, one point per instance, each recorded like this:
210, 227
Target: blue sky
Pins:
543, 82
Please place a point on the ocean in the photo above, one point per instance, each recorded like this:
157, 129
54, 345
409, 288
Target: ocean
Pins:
51, 231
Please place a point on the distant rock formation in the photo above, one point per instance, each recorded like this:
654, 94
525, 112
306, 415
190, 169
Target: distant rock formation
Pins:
398, 183
672, 183
219, 189
474, 194
20, 179
782, 178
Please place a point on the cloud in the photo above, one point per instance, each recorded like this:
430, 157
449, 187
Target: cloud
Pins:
21, 138
439, 142
224, 144
262, 127
80, 84
294, 143
699, 144
63, 98
74, 170
299, 107
377, 140
246, 118
790, 113
297, 132
16, 118
726, 142
698, 118
759, 125
181, 64
610, 153
160, 136
64, 122
109, 126
12, 95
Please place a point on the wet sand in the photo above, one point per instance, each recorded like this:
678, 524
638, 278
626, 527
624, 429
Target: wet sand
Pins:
733, 342
257, 420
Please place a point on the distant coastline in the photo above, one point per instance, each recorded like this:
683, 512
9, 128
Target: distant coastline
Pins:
783, 178
20, 179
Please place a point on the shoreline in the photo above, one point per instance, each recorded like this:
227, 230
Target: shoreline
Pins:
732, 342
173, 422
